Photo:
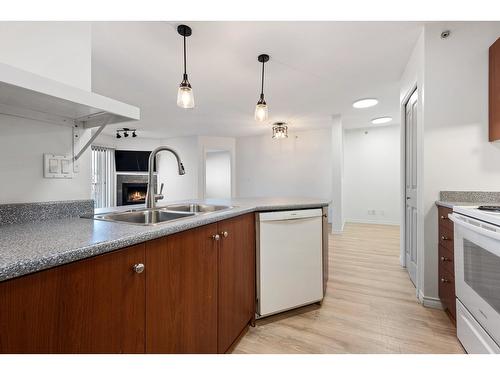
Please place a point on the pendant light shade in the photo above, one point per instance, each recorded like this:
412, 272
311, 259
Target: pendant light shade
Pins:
261, 110
185, 96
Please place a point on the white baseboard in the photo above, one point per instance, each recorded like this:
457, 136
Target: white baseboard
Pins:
431, 302
337, 231
382, 222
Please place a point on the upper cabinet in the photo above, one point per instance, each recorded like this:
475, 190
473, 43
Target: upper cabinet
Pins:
29, 95
494, 92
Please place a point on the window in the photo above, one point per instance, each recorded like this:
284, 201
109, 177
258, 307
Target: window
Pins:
103, 173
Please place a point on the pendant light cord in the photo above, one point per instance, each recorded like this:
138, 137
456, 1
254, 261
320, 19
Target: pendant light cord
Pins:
262, 85
185, 56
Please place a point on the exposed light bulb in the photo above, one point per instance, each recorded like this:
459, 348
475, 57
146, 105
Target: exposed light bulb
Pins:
261, 112
185, 97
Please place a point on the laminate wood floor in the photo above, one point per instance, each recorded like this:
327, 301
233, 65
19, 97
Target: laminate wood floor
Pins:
370, 306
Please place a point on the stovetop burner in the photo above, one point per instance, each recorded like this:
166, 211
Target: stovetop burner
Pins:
489, 208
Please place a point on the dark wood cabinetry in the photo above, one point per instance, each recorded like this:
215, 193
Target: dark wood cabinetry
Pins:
236, 278
446, 269
91, 306
181, 292
494, 92
196, 294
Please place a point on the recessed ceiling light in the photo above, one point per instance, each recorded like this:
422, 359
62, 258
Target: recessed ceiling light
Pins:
365, 103
381, 120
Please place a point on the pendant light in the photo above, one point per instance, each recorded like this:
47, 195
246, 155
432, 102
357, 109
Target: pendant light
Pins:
280, 130
185, 97
261, 110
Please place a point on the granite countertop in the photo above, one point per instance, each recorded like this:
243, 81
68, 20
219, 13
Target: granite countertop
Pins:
455, 204
35, 246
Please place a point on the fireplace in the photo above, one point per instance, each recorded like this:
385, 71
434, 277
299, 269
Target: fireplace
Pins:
131, 188
134, 193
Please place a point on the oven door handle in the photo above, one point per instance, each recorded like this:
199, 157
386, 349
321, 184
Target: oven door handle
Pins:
475, 228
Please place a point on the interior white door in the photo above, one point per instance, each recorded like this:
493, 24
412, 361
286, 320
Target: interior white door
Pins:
411, 184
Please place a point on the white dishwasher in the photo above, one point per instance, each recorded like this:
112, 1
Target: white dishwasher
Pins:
289, 260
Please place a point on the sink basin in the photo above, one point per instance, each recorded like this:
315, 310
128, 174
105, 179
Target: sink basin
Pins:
195, 208
144, 217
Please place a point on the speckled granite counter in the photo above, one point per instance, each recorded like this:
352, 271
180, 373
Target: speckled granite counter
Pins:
31, 247
452, 199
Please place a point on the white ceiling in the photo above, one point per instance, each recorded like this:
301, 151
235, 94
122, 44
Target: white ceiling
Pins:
316, 71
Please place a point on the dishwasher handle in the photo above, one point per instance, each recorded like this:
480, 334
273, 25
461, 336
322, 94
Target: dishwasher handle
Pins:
290, 215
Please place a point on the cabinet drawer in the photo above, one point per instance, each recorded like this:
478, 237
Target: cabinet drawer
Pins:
447, 291
443, 219
447, 260
446, 237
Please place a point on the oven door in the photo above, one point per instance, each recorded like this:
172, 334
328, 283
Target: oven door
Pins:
477, 271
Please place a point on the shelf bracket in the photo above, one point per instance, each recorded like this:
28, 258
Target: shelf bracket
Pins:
76, 136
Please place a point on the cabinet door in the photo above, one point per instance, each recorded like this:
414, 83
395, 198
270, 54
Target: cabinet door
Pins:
236, 278
181, 292
96, 305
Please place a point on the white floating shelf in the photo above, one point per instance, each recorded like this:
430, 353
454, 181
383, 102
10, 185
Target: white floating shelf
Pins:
28, 95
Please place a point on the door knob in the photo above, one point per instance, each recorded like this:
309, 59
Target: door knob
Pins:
138, 268
224, 234
216, 237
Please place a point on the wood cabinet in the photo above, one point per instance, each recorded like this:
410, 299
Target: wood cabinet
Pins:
446, 270
494, 91
181, 292
236, 278
94, 305
195, 295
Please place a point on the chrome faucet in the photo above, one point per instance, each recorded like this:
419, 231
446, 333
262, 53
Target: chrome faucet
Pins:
151, 195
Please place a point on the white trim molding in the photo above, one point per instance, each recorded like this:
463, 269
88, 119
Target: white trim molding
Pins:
381, 222
431, 302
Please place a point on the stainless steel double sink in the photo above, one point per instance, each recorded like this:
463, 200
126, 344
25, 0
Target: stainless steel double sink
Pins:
160, 215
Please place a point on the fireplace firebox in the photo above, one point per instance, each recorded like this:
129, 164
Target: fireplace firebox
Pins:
132, 188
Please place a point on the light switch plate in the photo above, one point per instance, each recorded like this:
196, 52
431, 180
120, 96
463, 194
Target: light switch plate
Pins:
57, 166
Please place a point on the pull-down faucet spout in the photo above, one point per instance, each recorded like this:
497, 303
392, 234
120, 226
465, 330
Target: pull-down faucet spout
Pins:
151, 192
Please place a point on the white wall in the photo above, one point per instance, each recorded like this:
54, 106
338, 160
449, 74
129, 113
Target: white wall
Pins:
336, 209
454, 154
61, 51
371, 175
299, 166
457, 154
218, 174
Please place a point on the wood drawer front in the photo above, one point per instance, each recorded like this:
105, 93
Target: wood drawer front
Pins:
443, 219
447, 291
446, 238
447, 260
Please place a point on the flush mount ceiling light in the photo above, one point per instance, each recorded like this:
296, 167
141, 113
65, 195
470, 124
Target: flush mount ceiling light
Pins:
365, 103
381, 120
185, 97
280, 130
261, 110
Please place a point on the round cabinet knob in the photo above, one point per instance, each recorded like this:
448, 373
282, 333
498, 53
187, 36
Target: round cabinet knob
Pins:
138, 268
444, 259
225, 234
216, 237
443, 280
444, 238
444, 217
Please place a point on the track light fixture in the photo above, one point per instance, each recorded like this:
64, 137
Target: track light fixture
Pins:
185, 97
124, 132
261, 110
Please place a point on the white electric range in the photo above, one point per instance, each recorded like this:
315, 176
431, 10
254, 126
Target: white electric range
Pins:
477, 278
